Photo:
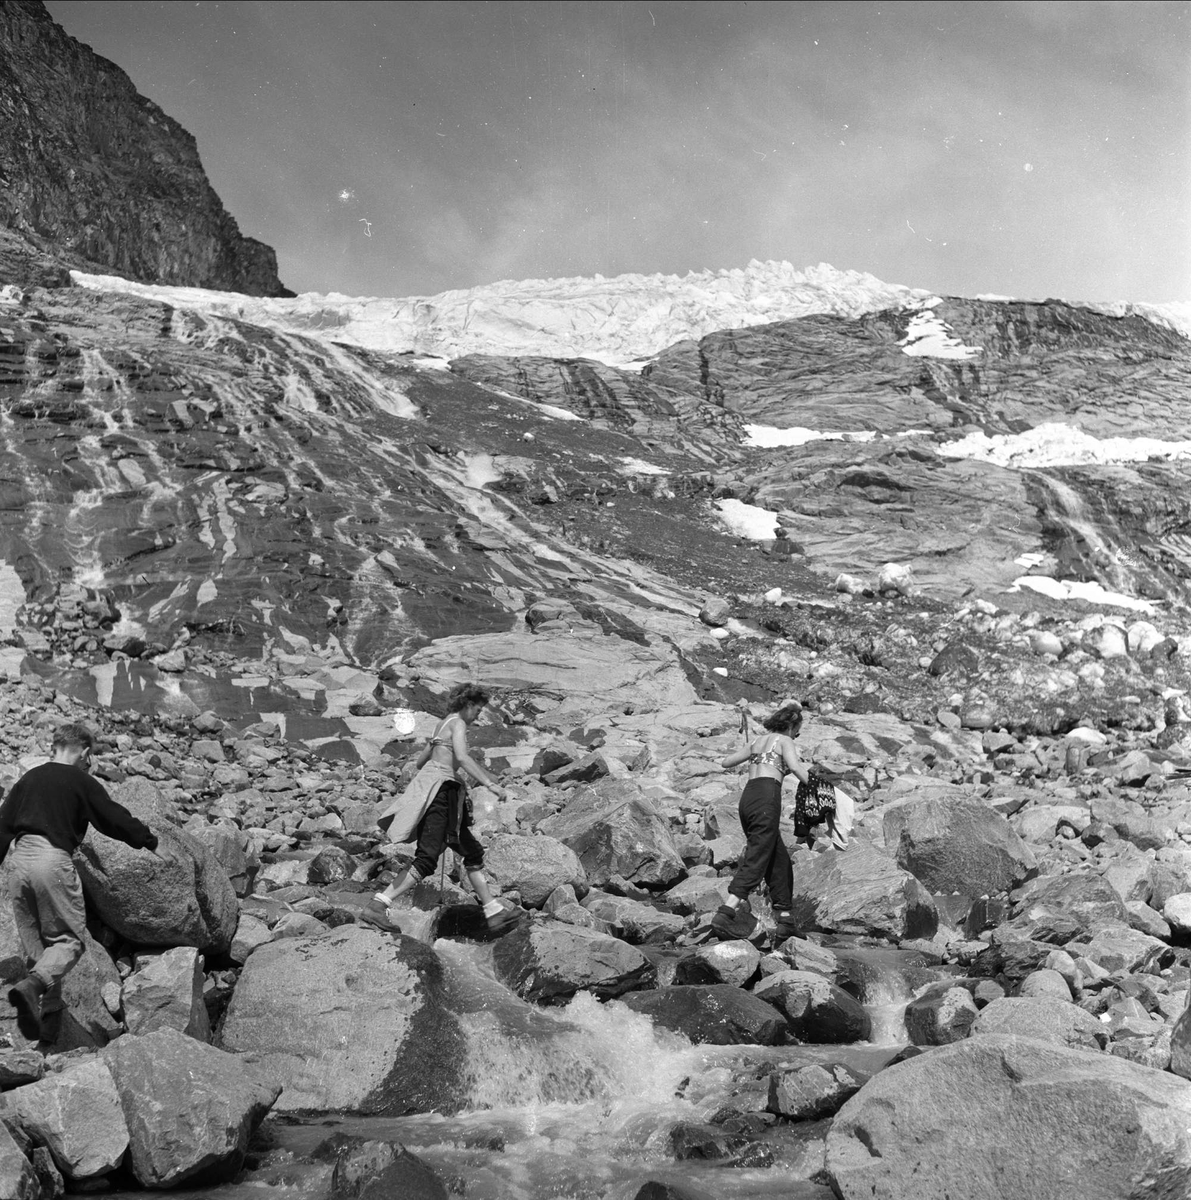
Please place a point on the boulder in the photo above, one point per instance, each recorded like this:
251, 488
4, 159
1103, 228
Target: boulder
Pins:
615, 830
1180, 1042
76, 1114
998, 1117
1119, 948
1045, 982
185, 901
165, 991
18, 1179
1084, 896
250, 932
812, 1092
1041, 1018
717, 1013
367, 1031
698, 894
719, 962
955, 844
815, 1009
549, 962
534, 866
634, 920
189, 1107
943, 1013
861, 890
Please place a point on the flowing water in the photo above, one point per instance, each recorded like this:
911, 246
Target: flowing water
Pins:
575, 1103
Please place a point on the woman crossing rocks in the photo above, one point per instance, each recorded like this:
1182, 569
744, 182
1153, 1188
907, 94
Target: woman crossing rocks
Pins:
436, 811
771, 757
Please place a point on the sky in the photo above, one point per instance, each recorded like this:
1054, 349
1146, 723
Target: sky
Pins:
1030, 149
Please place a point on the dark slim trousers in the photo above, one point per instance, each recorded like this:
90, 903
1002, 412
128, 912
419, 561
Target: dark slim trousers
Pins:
765, 856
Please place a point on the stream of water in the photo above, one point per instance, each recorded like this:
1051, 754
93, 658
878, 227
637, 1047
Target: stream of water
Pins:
574, 1103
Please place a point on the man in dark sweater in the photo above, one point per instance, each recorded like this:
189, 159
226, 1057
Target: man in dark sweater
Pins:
42, 822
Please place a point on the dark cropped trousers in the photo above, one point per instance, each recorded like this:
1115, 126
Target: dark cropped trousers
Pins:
447, 823
765, 856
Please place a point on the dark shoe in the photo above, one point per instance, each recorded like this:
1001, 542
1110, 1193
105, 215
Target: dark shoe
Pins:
376, 912
504, 921
734, 923
26, 999
785, 928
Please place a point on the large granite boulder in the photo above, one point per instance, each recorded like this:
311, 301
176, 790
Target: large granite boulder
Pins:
189, 1107
185, 901
549, 962
1043, 1019
956, 844
76, 1113
1084, 896
715, 1013
353, 1021
997, 1117
941, 1014
165, 991
816, 1010
617, 831
861, 890
535, 866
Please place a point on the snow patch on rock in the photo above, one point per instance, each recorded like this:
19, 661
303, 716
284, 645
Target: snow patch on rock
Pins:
1054, 444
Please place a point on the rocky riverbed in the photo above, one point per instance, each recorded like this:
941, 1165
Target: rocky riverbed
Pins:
1019, 882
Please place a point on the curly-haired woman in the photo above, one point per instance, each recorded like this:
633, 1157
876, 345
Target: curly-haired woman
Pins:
436, 811
771, 757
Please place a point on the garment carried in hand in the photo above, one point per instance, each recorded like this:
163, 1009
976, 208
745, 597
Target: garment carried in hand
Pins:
814, 801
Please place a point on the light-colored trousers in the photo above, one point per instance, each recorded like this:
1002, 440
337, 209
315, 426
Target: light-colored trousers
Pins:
47, 905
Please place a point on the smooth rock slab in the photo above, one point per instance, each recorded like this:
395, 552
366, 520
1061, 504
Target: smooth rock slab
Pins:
76, 1114
718, 1014
190, 1108
352, 1021
862, 890
548, 962
1002, 1118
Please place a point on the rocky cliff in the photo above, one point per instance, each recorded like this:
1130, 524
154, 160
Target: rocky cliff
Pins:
93, 173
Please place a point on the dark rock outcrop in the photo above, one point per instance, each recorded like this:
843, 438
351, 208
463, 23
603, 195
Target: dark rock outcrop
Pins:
95, 175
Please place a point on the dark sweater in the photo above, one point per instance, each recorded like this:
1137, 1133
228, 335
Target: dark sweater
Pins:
58, 802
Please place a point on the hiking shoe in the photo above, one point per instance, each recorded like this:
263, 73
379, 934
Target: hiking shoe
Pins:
26, 999
376, 912
734, 923
785, 928
504, 921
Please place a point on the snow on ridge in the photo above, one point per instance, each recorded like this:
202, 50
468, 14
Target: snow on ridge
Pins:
927, 336
1055, 444
622, 320
626, 319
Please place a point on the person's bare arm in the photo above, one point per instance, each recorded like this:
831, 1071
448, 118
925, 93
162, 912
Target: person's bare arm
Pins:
424, 757
737, 757
794, 764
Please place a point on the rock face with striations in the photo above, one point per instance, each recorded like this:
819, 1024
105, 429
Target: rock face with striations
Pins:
98, 173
